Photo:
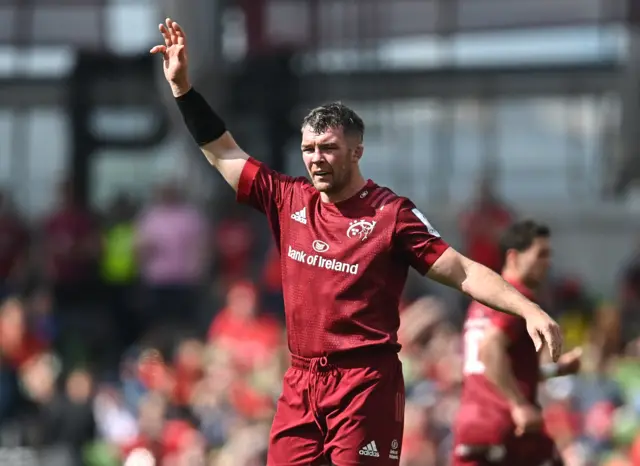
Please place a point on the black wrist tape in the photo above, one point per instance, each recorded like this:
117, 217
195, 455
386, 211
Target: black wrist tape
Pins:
202, 122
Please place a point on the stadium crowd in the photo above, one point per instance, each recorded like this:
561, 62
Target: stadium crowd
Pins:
153, 331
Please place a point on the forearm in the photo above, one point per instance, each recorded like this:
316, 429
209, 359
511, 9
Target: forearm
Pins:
215, 143
210, 133
487, 287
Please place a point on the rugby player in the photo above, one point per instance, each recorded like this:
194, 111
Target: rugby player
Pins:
346, 245
499, 422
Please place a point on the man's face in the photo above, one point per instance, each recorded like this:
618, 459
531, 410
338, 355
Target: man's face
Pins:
533, 264
330, 158
242, 301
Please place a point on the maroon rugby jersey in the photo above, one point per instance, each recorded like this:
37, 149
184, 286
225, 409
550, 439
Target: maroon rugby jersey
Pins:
525, 364
343, 265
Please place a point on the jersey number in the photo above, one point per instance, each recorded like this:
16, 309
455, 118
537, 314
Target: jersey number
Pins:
472, 339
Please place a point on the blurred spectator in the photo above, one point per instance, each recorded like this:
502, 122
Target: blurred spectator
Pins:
188, 371
170, 442
272, 284
17, 341
210, 401
62, 419
151, 423
119, 269
71, 251
417, 327
247, 447
14, 243
41, 318
233, 242
114, 422
171, 243
417, 449
629, 299
240, 330
482, 225
18, 344
154, 373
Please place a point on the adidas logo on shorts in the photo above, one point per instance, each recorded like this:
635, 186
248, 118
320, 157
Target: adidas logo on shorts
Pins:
300, 216
370, 449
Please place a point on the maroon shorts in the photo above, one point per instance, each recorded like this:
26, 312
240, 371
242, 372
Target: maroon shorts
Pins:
533, 450
345, 412
485, 437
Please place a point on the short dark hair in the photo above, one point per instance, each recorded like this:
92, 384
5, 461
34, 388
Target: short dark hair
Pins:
521, 235
332, 116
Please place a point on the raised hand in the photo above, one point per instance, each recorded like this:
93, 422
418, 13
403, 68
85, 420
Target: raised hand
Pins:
174, 56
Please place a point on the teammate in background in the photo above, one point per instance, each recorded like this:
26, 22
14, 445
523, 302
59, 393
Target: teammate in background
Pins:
346, 246
499, 421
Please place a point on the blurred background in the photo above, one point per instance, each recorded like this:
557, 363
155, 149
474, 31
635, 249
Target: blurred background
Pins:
141, 312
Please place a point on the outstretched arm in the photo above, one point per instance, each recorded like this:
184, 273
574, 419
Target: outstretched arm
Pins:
430, 255
206, 127
487, 287
480, 283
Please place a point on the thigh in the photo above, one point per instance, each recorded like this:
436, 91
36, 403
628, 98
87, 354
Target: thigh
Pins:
364, 413
295, 439
478, 424
481, 435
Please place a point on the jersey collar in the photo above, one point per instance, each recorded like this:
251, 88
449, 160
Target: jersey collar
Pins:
522, 288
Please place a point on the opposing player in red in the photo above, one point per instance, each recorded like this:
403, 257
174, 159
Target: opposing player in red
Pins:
346, 245
499, 422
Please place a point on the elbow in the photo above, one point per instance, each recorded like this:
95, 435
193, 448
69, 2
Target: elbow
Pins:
466, 284
475, 278
465, 287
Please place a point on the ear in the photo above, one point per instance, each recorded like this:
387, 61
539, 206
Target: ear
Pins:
510, 256
358, 151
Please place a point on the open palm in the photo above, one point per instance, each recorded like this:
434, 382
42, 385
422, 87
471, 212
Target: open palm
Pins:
174, 52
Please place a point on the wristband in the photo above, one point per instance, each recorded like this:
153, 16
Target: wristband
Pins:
202, 122
548, 371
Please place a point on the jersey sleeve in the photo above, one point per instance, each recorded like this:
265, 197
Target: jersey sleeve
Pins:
416, 238
263, 188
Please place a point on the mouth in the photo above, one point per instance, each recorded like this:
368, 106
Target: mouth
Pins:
321, 174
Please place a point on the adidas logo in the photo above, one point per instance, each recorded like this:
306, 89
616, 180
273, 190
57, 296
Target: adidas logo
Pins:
300, 216
370, 449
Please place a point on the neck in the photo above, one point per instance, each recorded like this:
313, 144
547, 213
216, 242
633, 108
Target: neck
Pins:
511, 275
357, 183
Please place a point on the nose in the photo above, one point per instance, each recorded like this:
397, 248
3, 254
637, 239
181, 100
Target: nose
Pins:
317, 156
